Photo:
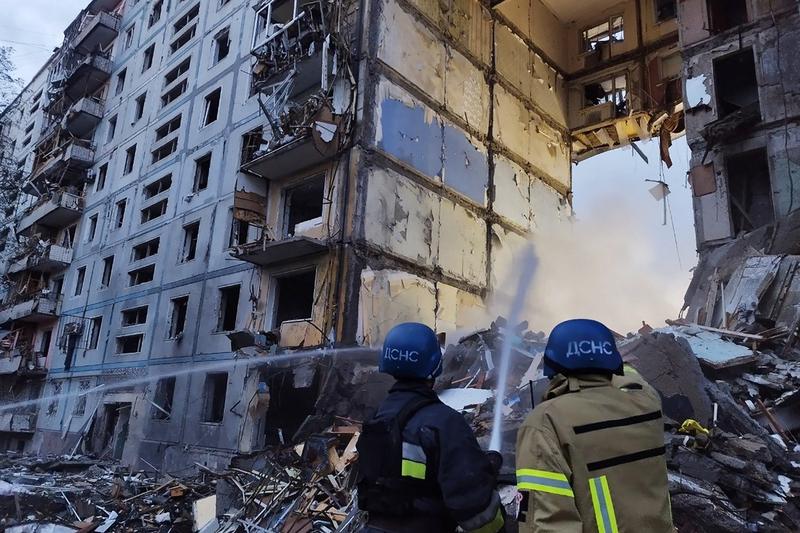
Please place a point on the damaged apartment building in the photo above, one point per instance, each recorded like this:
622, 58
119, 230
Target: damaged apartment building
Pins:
209, 180
742, 73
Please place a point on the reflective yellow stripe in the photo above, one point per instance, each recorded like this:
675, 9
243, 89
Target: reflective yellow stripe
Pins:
603, 505
541, 473
412, 469
494, 526
546, 488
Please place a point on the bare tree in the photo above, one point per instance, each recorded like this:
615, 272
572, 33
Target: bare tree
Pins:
10, 85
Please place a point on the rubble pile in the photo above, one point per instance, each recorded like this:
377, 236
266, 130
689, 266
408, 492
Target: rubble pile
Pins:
729, 403
305, 488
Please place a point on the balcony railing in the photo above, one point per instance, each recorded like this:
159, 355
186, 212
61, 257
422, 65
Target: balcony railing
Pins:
48, 258
35, 307
56, 210
84, 116
69, 163
98, 31
87, 76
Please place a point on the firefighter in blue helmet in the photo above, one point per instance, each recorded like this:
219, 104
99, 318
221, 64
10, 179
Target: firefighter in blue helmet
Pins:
420, 467
590, 457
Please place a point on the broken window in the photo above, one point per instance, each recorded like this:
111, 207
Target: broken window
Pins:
145, 249
222, 45
121, 81
80, 405
79, 277
174, 93
187, 36
129, 33
176, 72
177, 321
295, 296
142, 275
603, 34
155, 14
735, 83
135, 316
130, 343
274, 18
186, 19
112, 129
102, 173
666, 10
228, 308
165, 150
671, 67
240, 230
750, 190
108, 267
613, 89
139, 106
165, 392
130, 158
44, 345
304, 204
168, 127
190, 235
92, 228
252, 144
158, 186
212, 107
154, 211
95, 324
120, 219
202, 170
726, 14
147, 57
215, 390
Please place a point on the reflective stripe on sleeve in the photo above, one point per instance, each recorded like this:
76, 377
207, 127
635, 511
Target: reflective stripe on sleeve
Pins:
414, 453
413, 469
494, 526
544, 481
603, 505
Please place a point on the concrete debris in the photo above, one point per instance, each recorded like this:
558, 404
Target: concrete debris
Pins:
730, 433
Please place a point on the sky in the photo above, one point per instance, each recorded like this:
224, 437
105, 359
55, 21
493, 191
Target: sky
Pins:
618, 264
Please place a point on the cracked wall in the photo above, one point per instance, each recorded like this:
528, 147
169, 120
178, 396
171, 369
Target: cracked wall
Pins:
464, 155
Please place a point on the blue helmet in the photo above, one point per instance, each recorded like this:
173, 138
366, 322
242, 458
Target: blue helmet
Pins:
411, 351
581, 347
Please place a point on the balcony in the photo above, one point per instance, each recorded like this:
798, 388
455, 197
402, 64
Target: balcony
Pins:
18, 422
68, 163
57, 210
87, 76
287, 159
308, 240
37, 307
98, 31
50, 258
83, 117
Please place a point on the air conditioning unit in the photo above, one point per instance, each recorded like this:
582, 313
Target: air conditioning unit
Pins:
73, 328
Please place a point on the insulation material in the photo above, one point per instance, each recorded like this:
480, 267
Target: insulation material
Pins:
512, 121
389, 297
421, 59
512, 193
548, 90
462, 244
466, 166
299, 333
513, 59
457, 310
466, 92
550, 209
413, 222
506, 246
404, 217
470, 24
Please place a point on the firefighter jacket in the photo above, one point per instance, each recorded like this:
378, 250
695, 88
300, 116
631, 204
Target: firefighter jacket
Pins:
590, 458
452, 482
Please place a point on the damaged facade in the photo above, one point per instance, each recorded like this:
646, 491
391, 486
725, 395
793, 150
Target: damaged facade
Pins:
252, 176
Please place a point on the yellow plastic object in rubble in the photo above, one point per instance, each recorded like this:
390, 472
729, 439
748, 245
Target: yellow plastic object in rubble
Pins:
692, 427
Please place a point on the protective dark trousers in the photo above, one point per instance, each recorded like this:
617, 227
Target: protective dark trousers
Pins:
421, 469
590, 458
